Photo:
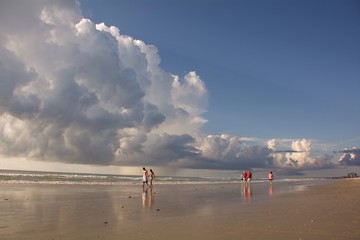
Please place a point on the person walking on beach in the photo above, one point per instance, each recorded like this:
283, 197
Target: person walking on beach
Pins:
270, 177
151, 176
145, 177
244, 176
249, 176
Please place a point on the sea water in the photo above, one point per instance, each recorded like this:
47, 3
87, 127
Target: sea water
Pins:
35, 177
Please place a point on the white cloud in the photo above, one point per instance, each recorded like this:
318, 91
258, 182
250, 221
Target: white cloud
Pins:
79, 92
350, 157
298, 156
75, 91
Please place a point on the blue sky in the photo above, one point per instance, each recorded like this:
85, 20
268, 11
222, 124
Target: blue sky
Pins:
274, 69
103, 86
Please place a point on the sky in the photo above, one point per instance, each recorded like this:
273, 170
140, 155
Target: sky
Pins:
111, 86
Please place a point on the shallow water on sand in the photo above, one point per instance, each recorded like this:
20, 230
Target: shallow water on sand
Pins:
75, 211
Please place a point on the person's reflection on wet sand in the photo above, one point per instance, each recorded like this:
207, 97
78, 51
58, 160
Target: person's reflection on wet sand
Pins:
150, 202
147, 197
144, 197
270, 190
246, 191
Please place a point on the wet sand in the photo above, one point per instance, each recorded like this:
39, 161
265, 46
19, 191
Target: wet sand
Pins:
219, 211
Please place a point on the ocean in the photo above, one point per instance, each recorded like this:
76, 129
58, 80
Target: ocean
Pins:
61, 178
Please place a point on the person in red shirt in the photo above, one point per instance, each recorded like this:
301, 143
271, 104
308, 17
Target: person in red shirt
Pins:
249, 176
244, 176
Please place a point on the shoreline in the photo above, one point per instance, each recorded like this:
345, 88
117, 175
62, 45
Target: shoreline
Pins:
221, 211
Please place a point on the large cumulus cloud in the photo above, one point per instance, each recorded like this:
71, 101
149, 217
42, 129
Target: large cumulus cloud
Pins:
80, 92
75, 91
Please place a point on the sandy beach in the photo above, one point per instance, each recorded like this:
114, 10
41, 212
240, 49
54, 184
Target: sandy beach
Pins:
219, 211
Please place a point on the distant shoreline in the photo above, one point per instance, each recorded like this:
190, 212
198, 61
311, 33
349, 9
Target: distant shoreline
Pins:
350, 175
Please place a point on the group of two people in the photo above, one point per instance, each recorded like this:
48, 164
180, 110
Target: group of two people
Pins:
246, 176
147, 177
